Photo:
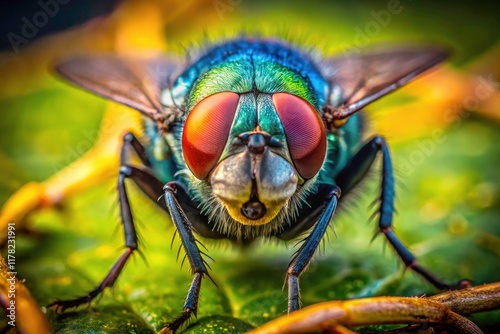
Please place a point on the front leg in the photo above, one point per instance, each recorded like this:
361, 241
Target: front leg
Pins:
355, 171
303, 256
152, 187
198, 268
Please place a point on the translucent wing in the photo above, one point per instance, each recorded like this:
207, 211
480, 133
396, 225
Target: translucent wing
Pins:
364, 78
136, 83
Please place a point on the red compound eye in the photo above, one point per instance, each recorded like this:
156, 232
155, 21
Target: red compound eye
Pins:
206, 131
305, 133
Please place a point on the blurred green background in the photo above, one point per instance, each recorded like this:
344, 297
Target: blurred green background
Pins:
448, 203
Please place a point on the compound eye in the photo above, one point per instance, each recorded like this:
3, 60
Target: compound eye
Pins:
305, 133
206, 132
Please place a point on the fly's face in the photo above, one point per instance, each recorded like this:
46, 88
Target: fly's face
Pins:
254, 149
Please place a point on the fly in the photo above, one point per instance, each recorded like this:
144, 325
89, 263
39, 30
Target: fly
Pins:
253, 139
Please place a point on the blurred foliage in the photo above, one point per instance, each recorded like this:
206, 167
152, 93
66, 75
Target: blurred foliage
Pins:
448, 208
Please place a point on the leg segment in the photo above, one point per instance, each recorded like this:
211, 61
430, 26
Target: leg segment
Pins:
132, 145
184, 228
303, 256
355, 171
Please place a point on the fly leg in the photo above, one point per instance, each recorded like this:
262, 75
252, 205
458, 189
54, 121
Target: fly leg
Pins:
303, 256
355, 171
149, 185
196, 262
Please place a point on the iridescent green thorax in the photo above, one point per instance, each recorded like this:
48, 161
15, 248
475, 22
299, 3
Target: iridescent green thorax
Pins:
242, 76
246, 65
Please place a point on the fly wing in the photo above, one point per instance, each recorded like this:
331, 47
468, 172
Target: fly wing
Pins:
365, 78
136, 83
